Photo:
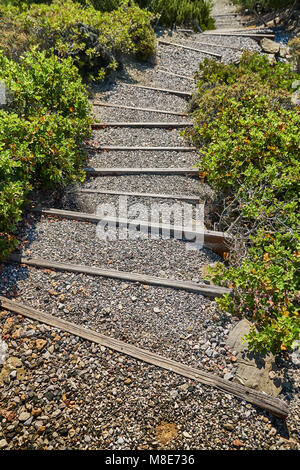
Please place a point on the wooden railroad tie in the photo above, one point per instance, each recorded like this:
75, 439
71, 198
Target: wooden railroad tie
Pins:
206, 290
141, 171
185, 77
150, 125
256, 36
181, 197
216, 241
184, 94
146, 110
273, 405
219, 46
145, 149
219, 56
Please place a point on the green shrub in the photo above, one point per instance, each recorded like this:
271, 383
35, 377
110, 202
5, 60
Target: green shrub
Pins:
181, 12
267, 5
212, 73
41, 133
171, 12
93, 39
249, 133
41, 83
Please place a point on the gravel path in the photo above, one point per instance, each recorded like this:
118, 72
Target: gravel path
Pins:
141, 315
107, 114
144, 159
79, 242
66, 393
61, 392
142, 98
127, 136
89, 202
149, 183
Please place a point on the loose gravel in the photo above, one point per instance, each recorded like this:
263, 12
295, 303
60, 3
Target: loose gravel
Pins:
179, 60
107, 114
90, 202
61, 392
139, 137
143, 98
169, 322
148, 183
73, 394
142, 158
81, 243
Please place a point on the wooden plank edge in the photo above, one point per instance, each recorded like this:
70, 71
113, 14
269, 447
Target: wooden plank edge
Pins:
211, 239
181, 197
219, 46
150, 110
244, 35
187, 77
214, 54
119, 148
138, 171
158, 125
273, 405
186, 94
206, 290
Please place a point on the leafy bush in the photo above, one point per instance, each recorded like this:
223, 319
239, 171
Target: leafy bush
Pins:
181, 11
94, 40
266, 4
212, 73
41, 132
170, 11
249, 134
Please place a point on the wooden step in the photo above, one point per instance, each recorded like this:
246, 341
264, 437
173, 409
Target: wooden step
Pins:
206, 290
185, 30
146, 110
184, 94
219, 56
220, 46
260, 399
225, 14
257, 36
185, 77
216, 241
181, 197
149, 125
145, 149
140, 171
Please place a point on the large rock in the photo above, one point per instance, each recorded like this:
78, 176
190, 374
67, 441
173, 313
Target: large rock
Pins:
271, 58
271, 47
257, 371
284, 50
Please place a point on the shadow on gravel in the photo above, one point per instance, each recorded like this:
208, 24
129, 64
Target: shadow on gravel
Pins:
122, 74
10, 273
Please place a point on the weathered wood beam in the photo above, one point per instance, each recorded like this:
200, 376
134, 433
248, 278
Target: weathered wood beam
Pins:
259, 399
216, 241
257, 36
206, 290
184, 94
186, 77
150, 125
140, 147
214, 54
146, 110
181, 197
140, 171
